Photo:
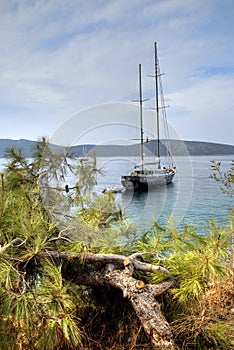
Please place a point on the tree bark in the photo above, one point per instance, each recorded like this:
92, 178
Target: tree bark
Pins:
117, 272
148, 310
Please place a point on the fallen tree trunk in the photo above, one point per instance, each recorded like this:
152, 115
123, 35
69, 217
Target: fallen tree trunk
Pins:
117, 271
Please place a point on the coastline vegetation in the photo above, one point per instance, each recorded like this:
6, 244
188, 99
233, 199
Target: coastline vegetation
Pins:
49, 263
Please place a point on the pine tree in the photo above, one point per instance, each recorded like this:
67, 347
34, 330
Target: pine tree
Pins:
62, 280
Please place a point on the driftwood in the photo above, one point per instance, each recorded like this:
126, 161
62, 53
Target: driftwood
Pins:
117, 271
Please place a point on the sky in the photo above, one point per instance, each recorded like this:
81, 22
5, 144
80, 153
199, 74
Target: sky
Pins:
61, 59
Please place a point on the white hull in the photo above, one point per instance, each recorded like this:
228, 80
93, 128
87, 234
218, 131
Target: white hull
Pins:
143, 182
149, 175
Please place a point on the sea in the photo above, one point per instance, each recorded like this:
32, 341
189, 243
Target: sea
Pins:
193, 198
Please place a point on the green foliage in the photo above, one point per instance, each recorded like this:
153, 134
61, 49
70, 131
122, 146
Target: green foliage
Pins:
37, 307
19, 172
40, 316
40, 310
86, 172
100, 224
202, 265
58, 302
225, 179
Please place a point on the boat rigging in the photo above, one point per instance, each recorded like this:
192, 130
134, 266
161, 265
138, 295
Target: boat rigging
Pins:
144, 177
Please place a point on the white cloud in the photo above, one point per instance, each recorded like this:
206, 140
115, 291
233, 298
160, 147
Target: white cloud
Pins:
206, 109
61, 57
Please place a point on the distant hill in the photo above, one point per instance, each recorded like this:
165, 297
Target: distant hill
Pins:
25, 145
178, 147
194, 148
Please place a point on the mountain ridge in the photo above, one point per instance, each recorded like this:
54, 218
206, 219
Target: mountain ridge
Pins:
178, 147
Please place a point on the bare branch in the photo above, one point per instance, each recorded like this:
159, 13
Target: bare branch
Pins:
118, 273
113, 258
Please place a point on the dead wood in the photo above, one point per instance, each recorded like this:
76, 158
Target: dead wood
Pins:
117, 271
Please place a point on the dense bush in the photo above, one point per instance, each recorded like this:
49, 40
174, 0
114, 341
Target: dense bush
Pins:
42, 309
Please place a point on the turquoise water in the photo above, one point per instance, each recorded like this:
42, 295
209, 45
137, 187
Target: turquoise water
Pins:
192, 198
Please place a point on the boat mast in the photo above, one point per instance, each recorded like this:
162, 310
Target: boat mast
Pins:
141, 121
157, 103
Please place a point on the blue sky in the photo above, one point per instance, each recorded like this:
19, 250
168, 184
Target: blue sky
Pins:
62, 57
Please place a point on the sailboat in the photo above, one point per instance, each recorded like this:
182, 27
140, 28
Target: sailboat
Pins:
148, 175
